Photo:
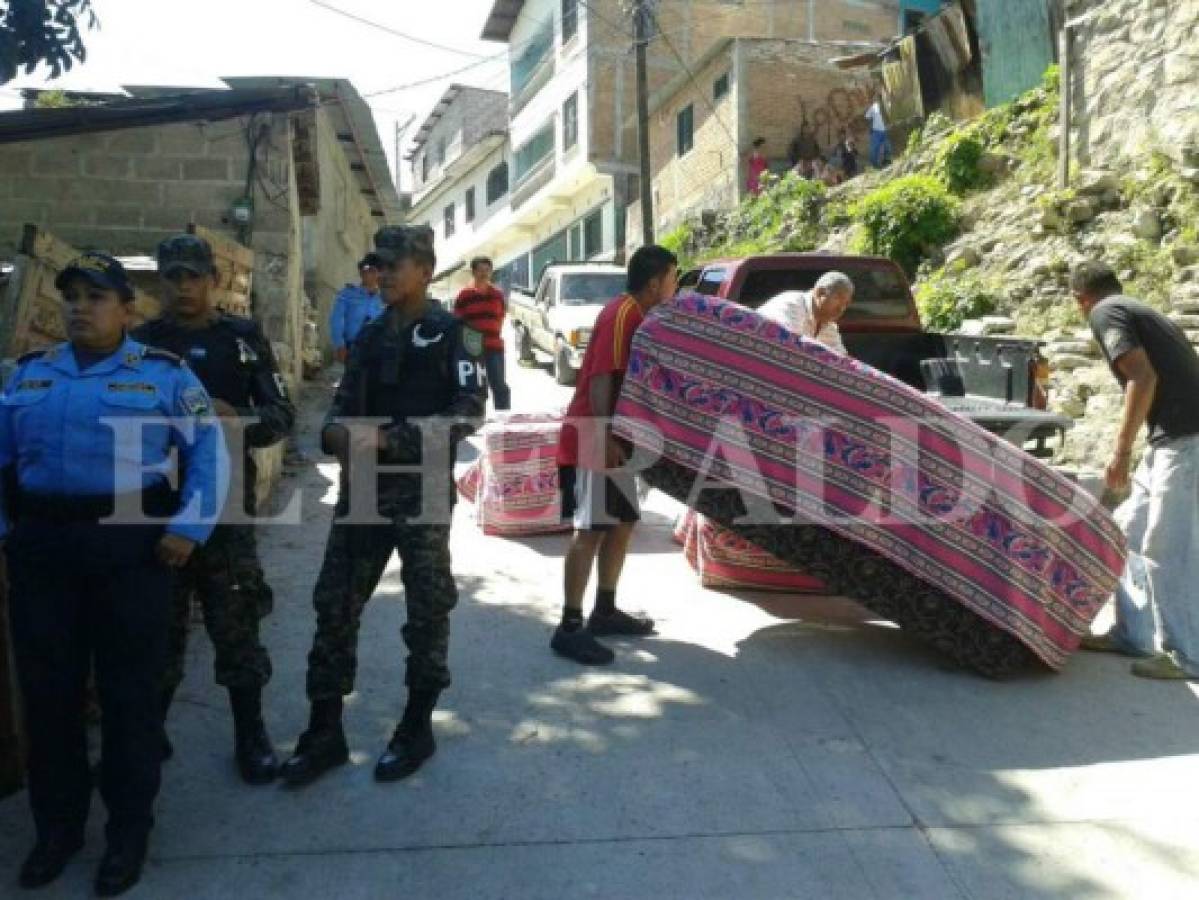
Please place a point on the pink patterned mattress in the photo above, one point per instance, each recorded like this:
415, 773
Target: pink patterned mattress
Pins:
725, 560
714, 389
514, 484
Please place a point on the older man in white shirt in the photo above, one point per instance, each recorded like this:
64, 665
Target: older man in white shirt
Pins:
814, 314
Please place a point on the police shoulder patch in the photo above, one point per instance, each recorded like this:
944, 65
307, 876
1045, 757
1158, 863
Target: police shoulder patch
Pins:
196, 402
163, 355
472, 341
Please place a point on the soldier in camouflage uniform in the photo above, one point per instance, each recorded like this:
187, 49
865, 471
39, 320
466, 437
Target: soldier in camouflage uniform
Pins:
421, 369
234, 361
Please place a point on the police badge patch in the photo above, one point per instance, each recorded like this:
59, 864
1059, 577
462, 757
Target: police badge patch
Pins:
472, 341
195, 401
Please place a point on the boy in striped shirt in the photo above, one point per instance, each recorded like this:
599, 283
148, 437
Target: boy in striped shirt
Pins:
481, 307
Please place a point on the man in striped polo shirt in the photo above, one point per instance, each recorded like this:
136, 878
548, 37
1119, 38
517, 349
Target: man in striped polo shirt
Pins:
481, 307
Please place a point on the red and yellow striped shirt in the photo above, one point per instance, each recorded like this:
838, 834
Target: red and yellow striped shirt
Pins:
607, 354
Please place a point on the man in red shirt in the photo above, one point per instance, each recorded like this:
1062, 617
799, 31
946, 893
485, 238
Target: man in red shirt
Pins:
598, 497
481, 307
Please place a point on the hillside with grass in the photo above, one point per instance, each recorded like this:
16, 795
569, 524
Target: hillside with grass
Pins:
973, 213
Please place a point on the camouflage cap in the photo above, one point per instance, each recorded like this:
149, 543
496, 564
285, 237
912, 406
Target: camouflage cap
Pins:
185, 252
100, 269
400, 241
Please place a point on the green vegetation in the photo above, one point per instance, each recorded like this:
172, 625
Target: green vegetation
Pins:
947, 299
681, 243
905, 219
957, 162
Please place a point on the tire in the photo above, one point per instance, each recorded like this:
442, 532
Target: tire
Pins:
524, 346
564, 372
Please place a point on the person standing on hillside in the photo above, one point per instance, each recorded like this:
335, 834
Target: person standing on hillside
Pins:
355, 305
880, 141
1159, 370
481, 307
599, 498
756, 167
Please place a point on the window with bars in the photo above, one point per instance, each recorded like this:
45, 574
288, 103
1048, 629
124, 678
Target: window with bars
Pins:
450, 220
468, 205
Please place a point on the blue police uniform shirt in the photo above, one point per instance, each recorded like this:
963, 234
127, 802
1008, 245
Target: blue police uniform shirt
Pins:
353, 308
52, 431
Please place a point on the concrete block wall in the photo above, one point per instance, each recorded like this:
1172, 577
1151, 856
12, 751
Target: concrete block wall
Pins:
124, 191
341, 232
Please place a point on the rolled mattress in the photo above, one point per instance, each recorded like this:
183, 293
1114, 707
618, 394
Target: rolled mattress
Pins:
963, 540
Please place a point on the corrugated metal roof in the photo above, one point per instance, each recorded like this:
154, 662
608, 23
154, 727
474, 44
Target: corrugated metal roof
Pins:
137, 112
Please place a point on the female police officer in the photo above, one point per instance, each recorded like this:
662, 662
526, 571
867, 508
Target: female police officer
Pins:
86, 434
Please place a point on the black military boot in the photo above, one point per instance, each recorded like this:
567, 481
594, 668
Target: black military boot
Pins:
320, 748
256, 760
412, 743
49, 857
121, 866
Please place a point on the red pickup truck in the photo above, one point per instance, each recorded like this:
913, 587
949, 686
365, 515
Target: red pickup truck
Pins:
998, 382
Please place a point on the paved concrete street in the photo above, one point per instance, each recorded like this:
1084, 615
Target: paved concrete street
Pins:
757, 748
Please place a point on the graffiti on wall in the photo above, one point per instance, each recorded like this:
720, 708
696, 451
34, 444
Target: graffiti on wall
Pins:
821, 123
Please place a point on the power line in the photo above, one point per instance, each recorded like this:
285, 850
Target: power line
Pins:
400, 34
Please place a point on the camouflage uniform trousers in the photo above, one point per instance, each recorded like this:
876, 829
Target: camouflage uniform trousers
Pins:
355, 558
227, 577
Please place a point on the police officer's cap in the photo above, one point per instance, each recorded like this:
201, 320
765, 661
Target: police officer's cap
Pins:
398, 242
99, 269
185, 253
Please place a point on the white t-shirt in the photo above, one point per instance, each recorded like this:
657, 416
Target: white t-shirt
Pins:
793, 310
875, 115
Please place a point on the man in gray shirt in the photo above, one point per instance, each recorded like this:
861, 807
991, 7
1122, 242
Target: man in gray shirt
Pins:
1159, 370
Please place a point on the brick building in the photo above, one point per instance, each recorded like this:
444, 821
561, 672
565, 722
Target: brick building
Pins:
743, 89
572, 105
292, 169
460, 160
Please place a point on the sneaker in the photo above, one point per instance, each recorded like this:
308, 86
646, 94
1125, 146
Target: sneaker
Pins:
1161, 667
1107, 643
581, 646
619, 622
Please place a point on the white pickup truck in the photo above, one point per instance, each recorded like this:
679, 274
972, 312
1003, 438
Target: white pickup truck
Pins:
559, 317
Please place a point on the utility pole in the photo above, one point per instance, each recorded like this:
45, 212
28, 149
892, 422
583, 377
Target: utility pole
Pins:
641, 14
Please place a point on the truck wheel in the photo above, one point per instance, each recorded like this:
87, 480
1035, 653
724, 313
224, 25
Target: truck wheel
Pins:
564, 373
524, 346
